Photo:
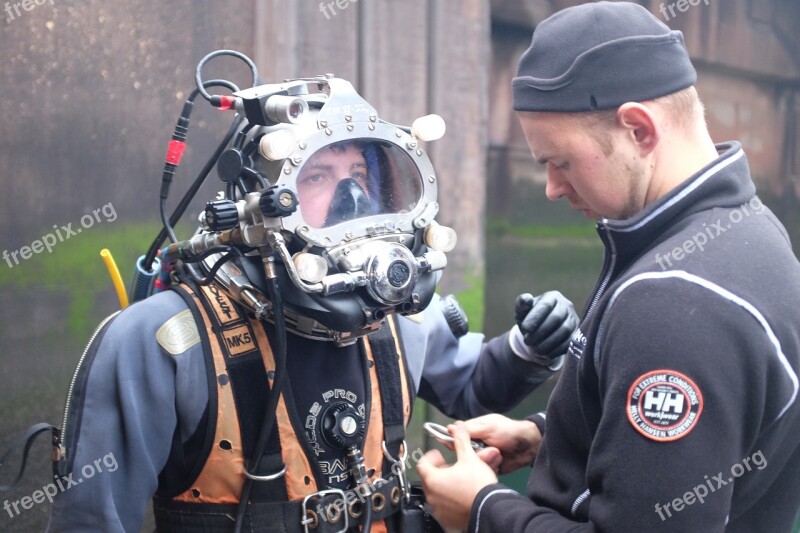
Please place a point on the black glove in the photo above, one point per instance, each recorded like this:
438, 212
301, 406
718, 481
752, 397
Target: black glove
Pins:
546, 323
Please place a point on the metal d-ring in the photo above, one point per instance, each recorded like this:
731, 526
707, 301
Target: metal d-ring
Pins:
440, 433
389, 457
269, 477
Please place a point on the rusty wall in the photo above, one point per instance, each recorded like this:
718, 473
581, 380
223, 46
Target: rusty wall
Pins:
91, 91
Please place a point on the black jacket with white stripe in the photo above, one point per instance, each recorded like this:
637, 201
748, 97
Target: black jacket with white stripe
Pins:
677, 407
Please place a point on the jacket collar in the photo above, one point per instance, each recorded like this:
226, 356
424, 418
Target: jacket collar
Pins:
723, 183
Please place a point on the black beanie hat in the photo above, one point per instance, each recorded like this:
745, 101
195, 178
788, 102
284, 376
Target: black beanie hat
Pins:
598, 56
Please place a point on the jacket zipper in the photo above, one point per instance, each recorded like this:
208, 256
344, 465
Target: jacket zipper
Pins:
60, 452
608, 269
610, 263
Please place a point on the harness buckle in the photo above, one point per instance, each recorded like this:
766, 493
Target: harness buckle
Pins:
312, 518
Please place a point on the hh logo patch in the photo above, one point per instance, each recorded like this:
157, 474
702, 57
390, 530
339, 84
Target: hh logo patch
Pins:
664, 405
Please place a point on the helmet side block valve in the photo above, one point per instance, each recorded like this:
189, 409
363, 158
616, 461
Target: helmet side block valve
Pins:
277, 202
221, 215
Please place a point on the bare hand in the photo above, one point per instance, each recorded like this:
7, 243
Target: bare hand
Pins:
517, 440
450, 490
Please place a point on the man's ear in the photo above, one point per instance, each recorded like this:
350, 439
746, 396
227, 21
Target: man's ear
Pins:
641, 124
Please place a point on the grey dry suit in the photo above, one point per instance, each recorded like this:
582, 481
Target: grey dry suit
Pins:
677, 407
137, 397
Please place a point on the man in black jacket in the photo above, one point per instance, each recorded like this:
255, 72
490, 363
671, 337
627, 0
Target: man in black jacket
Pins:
677, 407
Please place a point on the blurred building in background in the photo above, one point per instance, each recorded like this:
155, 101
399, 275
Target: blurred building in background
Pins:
747, 54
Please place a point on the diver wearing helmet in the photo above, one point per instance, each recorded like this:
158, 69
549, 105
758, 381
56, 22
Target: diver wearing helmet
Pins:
270, 387
339, 170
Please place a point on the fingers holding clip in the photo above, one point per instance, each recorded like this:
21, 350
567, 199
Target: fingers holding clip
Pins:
441, 434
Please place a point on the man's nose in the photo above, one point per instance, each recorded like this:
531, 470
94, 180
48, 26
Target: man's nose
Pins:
349, 202
556, 186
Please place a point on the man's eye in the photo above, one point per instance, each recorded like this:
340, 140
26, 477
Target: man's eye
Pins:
313, 179
359, 176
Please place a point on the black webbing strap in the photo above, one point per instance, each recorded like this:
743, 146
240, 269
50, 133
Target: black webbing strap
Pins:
250, 385
322, 513
412, 392
384, 352
26, 438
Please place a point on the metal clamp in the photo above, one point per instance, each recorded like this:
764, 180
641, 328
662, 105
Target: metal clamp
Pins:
405, 486
310, 517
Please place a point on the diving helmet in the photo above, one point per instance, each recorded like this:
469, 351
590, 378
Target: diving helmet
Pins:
334, 202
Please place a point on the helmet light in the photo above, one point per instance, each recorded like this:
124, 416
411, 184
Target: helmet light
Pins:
428, 128
286, 109
441, 238
277, 145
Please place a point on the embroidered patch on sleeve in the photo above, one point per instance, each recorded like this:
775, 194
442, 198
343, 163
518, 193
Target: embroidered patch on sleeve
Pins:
664, 405
179, 333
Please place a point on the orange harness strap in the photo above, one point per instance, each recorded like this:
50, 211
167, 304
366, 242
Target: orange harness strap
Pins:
222, 478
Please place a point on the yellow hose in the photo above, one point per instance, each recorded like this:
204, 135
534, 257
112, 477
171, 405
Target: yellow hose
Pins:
113, 271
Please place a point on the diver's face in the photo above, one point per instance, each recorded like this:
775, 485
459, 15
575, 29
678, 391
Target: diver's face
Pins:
321, 175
